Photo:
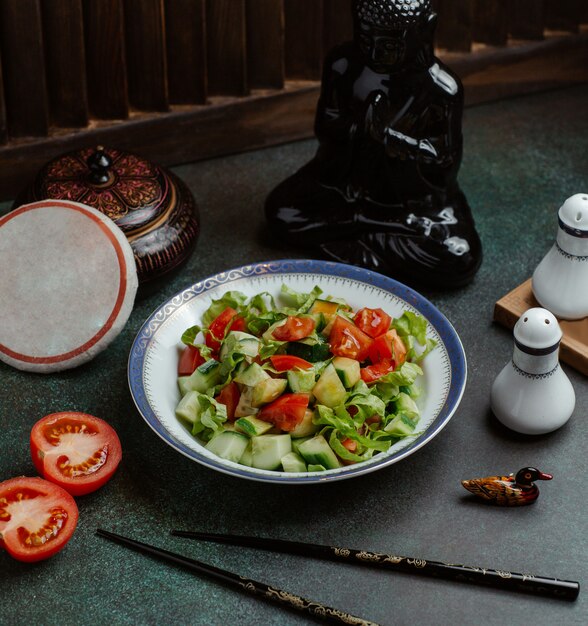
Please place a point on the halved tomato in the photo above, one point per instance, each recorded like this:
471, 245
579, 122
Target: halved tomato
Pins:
373, 322
76, 451
294, 329
229, 396
284, 362
189, 361
347, 340
37, 518
227, 320
286, 412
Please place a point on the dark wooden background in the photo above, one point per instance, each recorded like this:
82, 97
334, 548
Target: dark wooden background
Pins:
185, 79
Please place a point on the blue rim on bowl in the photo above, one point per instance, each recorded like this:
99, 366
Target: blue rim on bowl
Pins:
145, 343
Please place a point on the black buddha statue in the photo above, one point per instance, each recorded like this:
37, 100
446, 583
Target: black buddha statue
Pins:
382, 190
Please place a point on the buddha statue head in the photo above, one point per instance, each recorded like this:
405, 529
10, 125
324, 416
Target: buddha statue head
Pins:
393, 33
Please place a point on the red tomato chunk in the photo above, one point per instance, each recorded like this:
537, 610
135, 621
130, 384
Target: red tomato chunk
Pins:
229, 396
286, 412
294, 329
189, 361
284, 362
348, 340
228, 320
372, 322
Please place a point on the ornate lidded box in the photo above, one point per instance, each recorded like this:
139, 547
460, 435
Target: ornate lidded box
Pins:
151, 205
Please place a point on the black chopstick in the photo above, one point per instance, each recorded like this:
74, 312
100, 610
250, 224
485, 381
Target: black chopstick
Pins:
539, 585
284, 598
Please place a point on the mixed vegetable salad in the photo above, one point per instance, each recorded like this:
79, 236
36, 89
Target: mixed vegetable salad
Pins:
304, 385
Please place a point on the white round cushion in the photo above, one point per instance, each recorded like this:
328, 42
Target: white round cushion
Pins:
67, 284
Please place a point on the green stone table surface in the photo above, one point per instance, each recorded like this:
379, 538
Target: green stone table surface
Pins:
523, 157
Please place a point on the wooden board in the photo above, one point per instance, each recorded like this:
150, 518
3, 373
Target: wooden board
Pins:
265, 44
65, 61
491, 21
454, 29
304, 39
338, 23
3, 129
526, 19
105, 59
563, 14
227, 50
25, 85
146, 54
574, 345
186, 51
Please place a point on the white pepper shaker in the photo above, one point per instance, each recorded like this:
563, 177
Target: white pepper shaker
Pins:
532, 394
560, 281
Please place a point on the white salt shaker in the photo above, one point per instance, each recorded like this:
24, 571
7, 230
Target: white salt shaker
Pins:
532, 394
560, 281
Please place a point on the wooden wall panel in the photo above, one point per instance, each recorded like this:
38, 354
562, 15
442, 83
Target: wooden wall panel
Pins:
265, 43
65, 61
105, 59
526, 19
226, 46
491, 21
25, 87
304, 33
564, 14
186, 51
454, 30
146, 54
3, 128
338, 23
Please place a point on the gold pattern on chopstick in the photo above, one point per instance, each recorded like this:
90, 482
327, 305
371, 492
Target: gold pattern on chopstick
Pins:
300, 603
504, 574
341, 552
368, 556
417, 562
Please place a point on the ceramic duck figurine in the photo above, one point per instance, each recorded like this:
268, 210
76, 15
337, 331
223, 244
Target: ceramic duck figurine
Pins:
508, 490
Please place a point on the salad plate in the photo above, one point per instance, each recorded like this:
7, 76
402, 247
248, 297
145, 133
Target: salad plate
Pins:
153, 360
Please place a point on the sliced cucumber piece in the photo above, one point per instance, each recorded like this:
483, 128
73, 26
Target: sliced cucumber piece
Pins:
253, 426
244, 406
301, 381
327, 308
184, 384
329, 389
247, 456
317, 451
229, 445
268, 450
306, 427
348, 370
316, 468
401, 426
189, 407
309, 349
268, 390
296, 443
293, 462
252, 375
204, 377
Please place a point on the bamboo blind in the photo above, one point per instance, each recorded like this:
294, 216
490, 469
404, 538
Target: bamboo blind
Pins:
67, 63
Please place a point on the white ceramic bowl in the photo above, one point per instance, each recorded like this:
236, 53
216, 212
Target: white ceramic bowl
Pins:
154, 356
